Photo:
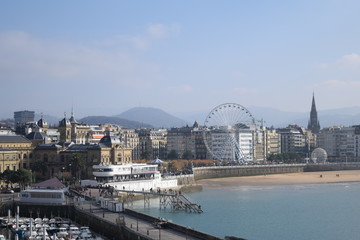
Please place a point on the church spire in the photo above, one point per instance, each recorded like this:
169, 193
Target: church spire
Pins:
313, 124
72, 118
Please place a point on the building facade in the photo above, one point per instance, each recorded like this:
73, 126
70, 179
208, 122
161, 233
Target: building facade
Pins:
20, 144
9, 160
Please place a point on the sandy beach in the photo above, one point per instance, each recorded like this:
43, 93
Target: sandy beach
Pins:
284, 179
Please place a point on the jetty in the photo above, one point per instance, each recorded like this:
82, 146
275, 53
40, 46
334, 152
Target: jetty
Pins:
173, 199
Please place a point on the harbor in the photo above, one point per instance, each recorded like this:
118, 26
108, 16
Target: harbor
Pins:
121, 223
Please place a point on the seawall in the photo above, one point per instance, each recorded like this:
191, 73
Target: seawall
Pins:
236, 171
332, 167
253, 170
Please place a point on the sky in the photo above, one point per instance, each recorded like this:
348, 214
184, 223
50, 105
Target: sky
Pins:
105, 57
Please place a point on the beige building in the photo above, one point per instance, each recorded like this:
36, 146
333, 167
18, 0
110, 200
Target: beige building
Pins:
9, 159
182, 142
20, 144
260, 152
132, 141
152, 143
62, 159
273, 142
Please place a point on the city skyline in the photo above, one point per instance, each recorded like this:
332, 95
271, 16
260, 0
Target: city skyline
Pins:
177, 56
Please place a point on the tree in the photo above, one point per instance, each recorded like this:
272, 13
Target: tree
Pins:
8, 177
77, 165
23, 177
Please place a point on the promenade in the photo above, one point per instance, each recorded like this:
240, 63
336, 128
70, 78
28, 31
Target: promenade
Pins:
142, 227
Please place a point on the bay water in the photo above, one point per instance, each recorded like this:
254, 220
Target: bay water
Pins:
293, 212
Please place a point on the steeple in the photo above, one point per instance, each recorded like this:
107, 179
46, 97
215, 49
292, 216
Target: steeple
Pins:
72, 118
314, 124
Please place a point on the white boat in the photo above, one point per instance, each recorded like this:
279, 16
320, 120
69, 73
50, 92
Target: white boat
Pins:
85, 233
2, 237
136, 177
62, 233
73, 232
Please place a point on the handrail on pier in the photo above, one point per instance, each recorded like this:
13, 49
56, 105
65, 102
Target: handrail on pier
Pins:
174, 199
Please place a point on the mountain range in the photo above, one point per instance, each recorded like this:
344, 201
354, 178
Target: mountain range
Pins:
147, 117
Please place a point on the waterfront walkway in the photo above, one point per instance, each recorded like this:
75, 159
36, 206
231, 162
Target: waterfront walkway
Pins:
142, 227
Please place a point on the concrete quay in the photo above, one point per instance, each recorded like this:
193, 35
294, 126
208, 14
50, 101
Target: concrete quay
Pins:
132, 225
127, 225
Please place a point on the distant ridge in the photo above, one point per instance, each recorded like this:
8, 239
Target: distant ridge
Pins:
114, 120
153, 116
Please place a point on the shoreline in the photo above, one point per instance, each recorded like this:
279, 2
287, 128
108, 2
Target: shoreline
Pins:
342, 176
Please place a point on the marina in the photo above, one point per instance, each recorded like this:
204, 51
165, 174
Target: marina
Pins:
45, 229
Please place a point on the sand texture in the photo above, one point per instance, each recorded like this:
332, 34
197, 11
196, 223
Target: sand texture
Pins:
284, 179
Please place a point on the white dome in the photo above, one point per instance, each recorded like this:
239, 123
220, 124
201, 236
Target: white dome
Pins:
319, 155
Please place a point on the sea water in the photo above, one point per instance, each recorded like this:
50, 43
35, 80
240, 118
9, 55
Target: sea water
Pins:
294, 212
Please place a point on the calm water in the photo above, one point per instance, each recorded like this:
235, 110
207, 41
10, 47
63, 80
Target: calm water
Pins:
311, 211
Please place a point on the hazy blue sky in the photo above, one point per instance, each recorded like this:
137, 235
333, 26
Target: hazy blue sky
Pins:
105, 57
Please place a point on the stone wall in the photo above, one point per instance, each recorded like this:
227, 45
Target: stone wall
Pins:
185, 179
331, 167
237, 171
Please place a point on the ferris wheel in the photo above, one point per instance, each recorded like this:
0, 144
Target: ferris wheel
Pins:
228, 133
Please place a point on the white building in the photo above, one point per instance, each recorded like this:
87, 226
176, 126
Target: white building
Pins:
340, 141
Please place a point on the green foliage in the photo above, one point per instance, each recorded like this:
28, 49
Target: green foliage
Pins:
77, 165
21, 176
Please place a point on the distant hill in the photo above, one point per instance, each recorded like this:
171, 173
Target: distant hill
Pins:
7, 123
278, 119
114, 120
153, 116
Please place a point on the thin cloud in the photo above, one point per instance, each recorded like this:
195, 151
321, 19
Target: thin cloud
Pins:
181, 89
345, 62
25, 57
335, 84
162, 31
349, 61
